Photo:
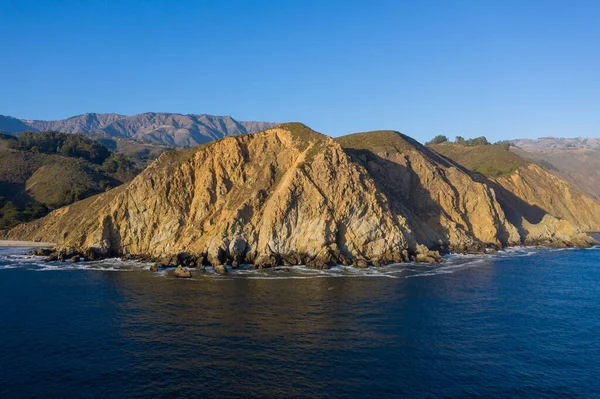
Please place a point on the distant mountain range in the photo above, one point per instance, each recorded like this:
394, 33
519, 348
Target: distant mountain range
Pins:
577, 160
592, 143
152, 127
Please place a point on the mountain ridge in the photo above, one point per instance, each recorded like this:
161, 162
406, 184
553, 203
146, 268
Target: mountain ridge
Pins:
170, 129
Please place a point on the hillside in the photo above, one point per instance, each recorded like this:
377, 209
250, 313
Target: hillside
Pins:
153, 127
289, 195
43, 171
490, 160
444, 202
526, 189
574, 160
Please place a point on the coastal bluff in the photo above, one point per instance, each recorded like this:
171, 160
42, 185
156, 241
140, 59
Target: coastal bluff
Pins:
289, 195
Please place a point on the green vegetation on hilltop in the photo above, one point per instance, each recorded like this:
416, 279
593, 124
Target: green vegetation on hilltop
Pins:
69, 145
301, 132
43, 171
376, 141
480, 156
439, 139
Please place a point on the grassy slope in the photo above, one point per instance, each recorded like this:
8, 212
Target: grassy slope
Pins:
489, 160
140, 153
31, 183
377, 141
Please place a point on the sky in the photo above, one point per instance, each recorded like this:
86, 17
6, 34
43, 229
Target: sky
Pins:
502, 69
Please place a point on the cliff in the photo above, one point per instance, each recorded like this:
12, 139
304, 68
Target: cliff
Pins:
544, 191
534, 200
289, 195
443, 202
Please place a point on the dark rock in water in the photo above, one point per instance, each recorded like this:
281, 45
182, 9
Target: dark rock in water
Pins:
51, 258
43, 252
220, 269
62, 257
154, 268
182, 273
94, 254
235, 264
427, 256
75, 259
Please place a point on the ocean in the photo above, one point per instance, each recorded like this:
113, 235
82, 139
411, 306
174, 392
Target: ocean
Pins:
524, 323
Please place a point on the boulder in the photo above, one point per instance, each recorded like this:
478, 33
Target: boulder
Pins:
75, 259
43, 252
180, 272
154, 267
220, 269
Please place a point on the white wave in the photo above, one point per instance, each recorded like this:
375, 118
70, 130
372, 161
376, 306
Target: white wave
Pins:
11, 258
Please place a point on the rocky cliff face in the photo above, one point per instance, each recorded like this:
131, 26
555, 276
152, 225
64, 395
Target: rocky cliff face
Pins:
579, 166
541, 205
534, 192
289, 195
443, 203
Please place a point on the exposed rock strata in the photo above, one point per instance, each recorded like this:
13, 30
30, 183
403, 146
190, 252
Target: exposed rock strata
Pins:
290, 196
545, 192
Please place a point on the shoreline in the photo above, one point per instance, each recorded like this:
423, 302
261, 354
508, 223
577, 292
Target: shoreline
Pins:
25, 244
190, 261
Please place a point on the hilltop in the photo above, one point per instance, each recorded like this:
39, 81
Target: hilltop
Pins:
490, 160
42, 171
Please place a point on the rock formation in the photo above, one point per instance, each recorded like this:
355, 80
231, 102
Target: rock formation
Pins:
287, 196
532, 194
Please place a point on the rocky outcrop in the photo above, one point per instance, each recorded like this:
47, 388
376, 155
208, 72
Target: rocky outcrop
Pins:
536, 193
289, 196
180, 272
444, 205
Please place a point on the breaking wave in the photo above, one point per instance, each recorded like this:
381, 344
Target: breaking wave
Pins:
14, 258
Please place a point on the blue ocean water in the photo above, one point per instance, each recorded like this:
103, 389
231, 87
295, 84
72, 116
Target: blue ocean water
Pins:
523, 323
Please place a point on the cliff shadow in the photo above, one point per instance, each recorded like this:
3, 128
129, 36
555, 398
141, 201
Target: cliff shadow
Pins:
406, 196
515, 209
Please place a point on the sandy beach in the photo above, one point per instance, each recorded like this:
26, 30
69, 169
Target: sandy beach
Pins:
8, 243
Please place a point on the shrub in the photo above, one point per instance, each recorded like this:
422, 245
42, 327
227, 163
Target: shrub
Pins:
439, 139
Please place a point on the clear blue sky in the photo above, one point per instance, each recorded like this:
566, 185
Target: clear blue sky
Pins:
504, 69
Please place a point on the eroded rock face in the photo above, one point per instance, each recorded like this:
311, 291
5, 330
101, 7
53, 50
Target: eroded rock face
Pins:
287, 196
537, 191
443, 204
